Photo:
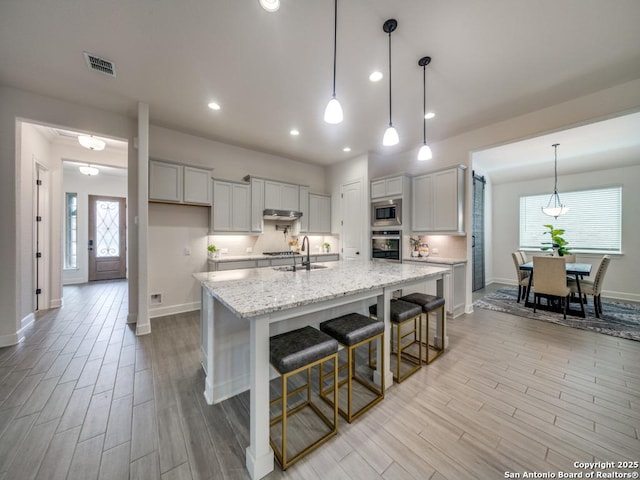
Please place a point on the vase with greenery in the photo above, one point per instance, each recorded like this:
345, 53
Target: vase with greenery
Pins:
557, 243
415, 245
212, 251
326, 246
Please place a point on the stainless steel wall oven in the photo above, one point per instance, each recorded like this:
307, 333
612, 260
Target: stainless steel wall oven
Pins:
386, 245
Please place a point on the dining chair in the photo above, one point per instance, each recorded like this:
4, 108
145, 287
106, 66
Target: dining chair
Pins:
570, 257
550, 280
521, 275
593, 287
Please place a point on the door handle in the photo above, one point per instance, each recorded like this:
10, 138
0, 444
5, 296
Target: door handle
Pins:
473, 241
357, 253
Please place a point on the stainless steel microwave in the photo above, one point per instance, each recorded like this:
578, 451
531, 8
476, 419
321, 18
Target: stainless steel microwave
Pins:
387, 213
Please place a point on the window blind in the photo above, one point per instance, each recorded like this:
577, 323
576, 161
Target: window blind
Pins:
592, 224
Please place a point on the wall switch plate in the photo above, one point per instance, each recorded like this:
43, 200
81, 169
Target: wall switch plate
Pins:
187, 251
435, 251
249, 250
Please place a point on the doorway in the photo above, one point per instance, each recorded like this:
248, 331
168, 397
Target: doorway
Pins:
352, 215
107, 238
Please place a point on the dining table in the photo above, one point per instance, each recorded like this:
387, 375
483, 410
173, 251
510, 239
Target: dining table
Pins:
578, 270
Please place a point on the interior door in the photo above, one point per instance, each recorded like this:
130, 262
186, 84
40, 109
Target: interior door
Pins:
477, 245
353, 217
107, 238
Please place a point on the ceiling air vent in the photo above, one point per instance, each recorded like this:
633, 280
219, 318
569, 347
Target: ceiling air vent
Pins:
100, 64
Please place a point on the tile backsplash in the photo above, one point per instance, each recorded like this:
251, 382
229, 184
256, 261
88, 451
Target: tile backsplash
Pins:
448, 246
274, 238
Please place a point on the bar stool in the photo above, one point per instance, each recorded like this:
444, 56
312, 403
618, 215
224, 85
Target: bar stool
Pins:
429, 303
352, 331
402, 313
291, 353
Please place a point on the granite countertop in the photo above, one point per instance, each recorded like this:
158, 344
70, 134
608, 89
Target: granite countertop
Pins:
435, 259
257, 291
259, 256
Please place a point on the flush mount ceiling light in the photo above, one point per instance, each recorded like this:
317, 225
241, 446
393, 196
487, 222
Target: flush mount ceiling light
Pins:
213, 106
88, 170
390, 135
429, 115
425, 150
333, 112
294, 132
346, 149
91, 142
270, 5
555, 208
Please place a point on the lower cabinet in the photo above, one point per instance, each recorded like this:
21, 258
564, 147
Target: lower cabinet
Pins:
454, 287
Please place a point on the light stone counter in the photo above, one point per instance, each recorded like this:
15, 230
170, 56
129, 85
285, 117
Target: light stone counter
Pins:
241, 309
436, 259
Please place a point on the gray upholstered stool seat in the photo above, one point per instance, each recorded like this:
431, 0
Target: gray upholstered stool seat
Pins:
430, 303
292, 353
402, 313
354, 330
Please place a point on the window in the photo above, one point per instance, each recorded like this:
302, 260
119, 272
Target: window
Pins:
71, 231
593, 223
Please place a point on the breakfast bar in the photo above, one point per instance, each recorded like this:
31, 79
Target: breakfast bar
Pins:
241, 309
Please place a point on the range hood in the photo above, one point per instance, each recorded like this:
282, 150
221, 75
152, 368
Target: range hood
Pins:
272, 214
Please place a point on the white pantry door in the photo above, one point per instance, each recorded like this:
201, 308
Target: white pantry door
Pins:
353, 217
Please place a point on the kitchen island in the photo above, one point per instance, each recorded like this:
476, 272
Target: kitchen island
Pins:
241, 309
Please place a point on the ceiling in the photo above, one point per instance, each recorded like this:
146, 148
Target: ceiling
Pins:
270, 72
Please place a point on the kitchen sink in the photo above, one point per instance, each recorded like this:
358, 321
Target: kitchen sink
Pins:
289, 268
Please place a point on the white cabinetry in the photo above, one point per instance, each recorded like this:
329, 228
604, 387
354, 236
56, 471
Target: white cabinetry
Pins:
437, 202
174, 183
231, 207
257, 204
319, 213
281, 196
454, 286
387, 187
304, 208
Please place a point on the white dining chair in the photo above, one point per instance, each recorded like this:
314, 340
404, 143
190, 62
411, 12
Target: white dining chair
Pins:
550, 280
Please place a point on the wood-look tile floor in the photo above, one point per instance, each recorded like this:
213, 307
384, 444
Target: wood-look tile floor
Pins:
83, 398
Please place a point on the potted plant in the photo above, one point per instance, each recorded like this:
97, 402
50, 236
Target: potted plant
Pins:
558, 244
415, 244
326, 246
212, 251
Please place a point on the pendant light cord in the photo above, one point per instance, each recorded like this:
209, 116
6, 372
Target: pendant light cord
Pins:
335, 43
390, 124
555, 169
424, 104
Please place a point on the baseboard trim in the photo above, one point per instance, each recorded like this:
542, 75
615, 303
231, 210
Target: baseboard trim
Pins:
16, 338
132, 318
173, 309
56, 303
26, 322
143, 329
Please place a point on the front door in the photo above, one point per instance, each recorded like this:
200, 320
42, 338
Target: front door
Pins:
107, 234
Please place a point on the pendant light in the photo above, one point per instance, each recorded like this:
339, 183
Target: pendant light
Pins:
91, 142
333, 112
425, 151
554, 207
390, 135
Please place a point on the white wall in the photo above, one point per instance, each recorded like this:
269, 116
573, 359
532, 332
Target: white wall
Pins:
174, 229
621, 280
83, 185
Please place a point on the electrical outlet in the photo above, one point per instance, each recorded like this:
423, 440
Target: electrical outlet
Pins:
249, 250
187, 251
435, 251
224, 250
155, 299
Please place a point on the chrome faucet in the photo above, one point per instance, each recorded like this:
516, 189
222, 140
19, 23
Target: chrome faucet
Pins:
306, 264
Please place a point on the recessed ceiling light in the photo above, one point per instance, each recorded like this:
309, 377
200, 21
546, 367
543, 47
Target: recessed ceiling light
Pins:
346, 149
270, 5
294, 132
214, 106
429, 115
375, 76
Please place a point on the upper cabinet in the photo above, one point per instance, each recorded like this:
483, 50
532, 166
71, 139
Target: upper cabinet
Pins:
281, 196
319, 213
174, 183
231, 210
257, 204
438, 202
388, 187
304, 208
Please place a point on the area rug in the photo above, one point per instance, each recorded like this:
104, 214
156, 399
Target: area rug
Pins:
618, 319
